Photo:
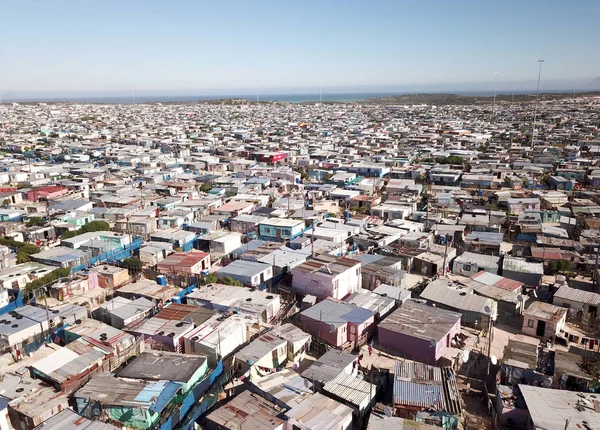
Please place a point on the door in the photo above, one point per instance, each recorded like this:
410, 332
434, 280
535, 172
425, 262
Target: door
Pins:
353, 337
541, 329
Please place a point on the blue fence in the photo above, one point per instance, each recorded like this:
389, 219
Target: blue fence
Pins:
186, 291
16, 303
112, 256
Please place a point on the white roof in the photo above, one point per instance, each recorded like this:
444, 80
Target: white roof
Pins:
550, 409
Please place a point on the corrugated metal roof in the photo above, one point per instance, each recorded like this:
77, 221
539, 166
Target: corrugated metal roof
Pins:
330, 365
351, 388
247, 411
420, 321
320, 412
419, 384
551, 409
545, 311
497, 281
331, 311
481, 260
68, 419
260, 347
439, 291
575, 295
287, 386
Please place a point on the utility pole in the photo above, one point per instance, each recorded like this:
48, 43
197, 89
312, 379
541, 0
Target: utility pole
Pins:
489, 343
537, 102
35, 295
495, 92
445, 254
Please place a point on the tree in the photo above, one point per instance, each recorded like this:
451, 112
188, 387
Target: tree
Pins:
6, 203
303, 174
206, 187
362, 210
209, 279
24, 253
35, 221
133, 263
559, 266
89, 227
48, 278
327, 176
228, 280
453, 159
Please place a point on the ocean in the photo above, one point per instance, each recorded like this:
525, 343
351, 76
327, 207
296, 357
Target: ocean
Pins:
289, 98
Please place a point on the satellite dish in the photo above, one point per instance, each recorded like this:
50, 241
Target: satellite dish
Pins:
494, 360
465, 355
387, 411
520, 298
331, 328
307, 384
487, 309
432, 342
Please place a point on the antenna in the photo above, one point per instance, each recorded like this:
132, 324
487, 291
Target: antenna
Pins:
257, 91
320, 94
133, 96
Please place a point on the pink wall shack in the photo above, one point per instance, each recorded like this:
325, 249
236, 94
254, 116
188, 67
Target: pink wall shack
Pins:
416, 348
348, 332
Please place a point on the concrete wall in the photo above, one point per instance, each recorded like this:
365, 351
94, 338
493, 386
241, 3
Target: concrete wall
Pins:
324, 285
552, 328
415, 348
323, 330
531, 279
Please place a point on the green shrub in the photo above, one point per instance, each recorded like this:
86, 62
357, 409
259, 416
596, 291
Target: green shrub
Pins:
48, 279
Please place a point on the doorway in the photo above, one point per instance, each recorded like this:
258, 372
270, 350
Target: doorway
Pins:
541, 329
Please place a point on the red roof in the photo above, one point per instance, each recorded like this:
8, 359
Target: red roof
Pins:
548, 253
49, 189
186, 259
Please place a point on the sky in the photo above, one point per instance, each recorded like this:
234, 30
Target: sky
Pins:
179, 46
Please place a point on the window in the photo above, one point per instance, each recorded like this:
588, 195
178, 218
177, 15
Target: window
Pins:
530, 323
358, 271
467, 267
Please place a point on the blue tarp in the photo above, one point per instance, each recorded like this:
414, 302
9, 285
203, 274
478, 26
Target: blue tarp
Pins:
171, 389
17, 303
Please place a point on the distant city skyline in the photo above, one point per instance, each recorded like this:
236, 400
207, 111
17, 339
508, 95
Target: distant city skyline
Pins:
70, 48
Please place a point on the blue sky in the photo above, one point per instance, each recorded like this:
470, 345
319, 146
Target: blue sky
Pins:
210, 46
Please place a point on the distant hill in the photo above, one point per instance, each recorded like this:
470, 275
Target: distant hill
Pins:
456, 99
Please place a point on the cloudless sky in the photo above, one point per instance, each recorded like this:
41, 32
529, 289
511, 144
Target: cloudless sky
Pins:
178, 45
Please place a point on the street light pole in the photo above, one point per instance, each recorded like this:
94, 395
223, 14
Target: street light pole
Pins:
495, 92
537, 101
